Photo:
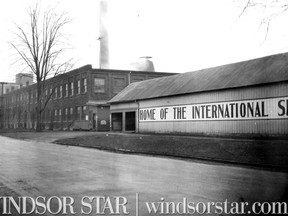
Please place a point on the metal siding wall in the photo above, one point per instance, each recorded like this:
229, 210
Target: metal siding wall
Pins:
268, 127
276, 127
123, 107
277, 90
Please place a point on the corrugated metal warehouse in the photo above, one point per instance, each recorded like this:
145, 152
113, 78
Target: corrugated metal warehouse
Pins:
245, 98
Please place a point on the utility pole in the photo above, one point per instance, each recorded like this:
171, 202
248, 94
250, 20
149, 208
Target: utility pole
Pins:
2, 104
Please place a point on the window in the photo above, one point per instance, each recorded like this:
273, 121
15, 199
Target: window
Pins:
60, 115
55, 115
50, 116
47, 115
84, 80
50, 94
60, 91
71, 114
99, 84
56, 93
72, 88
84, 116
118, 84
78, 110
27, 83
66, 90
44, 116
78, 87
66, 114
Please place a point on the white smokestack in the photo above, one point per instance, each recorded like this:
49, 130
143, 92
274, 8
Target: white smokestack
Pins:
104, 39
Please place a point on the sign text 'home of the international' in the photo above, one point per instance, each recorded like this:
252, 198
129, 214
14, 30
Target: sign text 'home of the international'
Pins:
272, 108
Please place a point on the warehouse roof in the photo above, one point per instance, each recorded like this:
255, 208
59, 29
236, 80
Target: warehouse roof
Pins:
268, 69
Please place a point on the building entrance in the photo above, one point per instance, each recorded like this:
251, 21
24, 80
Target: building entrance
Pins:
130, 121
117, 121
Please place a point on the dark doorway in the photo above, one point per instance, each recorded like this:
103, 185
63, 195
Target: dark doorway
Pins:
130, 121
117, 121
94, 120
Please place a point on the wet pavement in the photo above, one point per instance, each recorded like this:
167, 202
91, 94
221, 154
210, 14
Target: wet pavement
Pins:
35, 168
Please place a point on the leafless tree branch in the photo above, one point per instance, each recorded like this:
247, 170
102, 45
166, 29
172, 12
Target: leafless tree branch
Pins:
40, 49
271, 10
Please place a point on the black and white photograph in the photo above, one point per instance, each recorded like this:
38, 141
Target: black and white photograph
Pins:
143, 107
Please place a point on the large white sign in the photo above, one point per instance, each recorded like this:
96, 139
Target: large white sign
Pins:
272, 108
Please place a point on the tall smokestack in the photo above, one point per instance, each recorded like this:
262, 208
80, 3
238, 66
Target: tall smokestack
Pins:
104, 40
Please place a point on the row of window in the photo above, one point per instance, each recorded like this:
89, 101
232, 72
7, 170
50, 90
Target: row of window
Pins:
60, 91
119, 83
66, 114
68, 89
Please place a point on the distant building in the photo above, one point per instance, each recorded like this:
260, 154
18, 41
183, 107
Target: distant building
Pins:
22, 80
79, 99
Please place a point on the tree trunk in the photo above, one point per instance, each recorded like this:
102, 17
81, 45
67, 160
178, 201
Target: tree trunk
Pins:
39, 108
38, 121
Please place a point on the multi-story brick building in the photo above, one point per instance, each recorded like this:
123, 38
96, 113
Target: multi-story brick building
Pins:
79, 99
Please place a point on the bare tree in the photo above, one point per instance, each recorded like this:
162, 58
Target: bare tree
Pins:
271, 9
40, 47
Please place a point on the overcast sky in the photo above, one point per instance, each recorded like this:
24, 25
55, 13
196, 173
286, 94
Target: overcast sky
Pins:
180, 35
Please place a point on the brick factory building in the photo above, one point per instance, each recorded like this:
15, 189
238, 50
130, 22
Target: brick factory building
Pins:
248, 98
79, 99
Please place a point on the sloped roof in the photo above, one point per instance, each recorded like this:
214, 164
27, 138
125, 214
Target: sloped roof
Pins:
268, 69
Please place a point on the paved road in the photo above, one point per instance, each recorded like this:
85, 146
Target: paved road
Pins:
34, 168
